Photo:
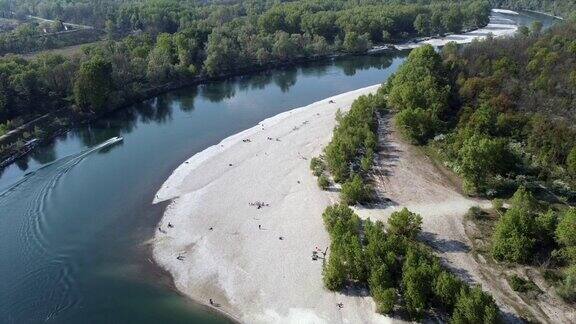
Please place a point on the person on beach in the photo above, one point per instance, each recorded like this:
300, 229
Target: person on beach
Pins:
211, 302
259, 226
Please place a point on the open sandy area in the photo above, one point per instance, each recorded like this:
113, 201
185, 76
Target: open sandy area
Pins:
498, 27
231, 251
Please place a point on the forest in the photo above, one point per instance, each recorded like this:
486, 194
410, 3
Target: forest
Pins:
151, 45
499, 113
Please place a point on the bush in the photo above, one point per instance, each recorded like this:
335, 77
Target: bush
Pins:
475, 306
446, 289
405, 223
518, 229
418, 125
520, 284
354, 191
567, 288
475, 212
385, 300
317, 166
497, 204
566, 230
334, 274
323, 182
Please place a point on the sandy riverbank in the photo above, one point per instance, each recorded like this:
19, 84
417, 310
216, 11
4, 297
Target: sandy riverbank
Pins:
497, 27
251, 273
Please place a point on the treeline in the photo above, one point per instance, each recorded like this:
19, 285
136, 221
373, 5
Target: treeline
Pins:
403, 276
349, 156
231, 38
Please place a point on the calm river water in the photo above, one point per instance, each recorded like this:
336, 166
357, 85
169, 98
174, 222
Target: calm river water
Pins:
75, 215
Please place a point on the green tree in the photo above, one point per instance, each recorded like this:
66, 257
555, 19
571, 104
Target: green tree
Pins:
93, 86
566, 233
405, 223
475, 306
354, 191
355, 43
422, 24
446, 289
517, 230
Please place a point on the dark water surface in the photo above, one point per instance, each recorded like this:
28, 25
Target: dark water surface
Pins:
75, 214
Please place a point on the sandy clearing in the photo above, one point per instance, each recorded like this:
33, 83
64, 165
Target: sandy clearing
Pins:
497, 27
252, 274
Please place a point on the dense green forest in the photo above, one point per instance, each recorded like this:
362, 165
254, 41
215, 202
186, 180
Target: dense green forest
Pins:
500, 114
155, 44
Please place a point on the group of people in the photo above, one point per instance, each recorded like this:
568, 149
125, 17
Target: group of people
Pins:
259, 204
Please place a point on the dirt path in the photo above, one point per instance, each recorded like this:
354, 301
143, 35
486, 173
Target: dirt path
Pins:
405, 177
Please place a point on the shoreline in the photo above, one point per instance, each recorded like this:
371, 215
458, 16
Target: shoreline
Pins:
494, 27
223, 263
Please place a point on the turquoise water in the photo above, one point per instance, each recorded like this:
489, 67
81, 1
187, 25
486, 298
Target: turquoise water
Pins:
75, 216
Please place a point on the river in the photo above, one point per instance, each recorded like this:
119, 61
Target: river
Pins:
75, 214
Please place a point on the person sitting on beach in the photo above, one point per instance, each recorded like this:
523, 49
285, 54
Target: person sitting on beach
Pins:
211, 301
170, 225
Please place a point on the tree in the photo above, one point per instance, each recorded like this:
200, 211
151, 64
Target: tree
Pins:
446, 289
566, 233
517, 230
162, 59
93, 85
354, 191
475, 306
418, 125
354, 43
405, 223
536, 27
422, 24
420, 87
334, 273
481, 157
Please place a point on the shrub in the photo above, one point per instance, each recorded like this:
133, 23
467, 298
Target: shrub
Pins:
405, 223
317, 166
354, 191
566, 230
385, 300
446, 289
323, 182
334, 274
520, 284
475, 306
567, 288
475, 212
497, 204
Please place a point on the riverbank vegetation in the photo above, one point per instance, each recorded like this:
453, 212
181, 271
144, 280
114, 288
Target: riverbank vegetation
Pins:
402, 274
349, 156
499, 113
160, 45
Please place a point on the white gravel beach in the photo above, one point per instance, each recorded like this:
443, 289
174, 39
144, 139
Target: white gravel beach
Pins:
498, 27
250, 272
